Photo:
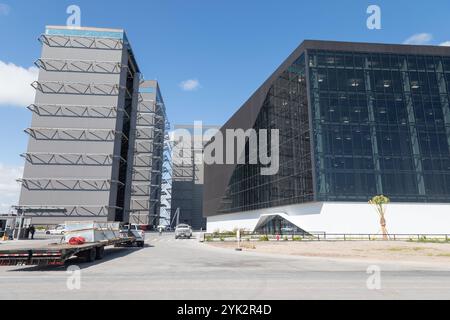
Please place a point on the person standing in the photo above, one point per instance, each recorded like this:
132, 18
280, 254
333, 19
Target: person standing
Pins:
32, 231
9, 233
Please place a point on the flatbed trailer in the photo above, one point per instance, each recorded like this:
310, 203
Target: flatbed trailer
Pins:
58, 254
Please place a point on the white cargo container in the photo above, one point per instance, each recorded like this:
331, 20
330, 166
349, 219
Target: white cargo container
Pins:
92, 231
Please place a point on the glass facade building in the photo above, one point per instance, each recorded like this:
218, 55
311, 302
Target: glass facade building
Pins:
381, 126
285, 109
355, 120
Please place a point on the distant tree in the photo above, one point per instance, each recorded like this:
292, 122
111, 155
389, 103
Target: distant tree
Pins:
379, 203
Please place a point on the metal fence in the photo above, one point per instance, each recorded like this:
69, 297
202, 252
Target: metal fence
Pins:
323, 236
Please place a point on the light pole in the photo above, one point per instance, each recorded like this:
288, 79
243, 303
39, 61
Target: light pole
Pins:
238, 237
19, 214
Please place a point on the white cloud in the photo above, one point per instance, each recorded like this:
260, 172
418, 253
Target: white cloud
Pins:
4, 9
419, 38
445, 44
15, 84
190, 85
9, 187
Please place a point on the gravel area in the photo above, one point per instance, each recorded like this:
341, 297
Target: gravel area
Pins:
360, 250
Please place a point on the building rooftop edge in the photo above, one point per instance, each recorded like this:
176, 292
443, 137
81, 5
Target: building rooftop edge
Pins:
318, 41
85, 28
388, 48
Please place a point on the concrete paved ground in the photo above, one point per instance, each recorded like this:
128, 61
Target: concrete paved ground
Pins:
186, 269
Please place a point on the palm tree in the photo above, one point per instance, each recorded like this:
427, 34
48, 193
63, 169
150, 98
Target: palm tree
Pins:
380, 202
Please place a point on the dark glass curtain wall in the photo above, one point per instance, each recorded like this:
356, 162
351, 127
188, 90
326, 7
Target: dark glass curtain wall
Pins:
381, 125
285, 109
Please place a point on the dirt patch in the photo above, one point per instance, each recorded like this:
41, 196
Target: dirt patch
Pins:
365, 250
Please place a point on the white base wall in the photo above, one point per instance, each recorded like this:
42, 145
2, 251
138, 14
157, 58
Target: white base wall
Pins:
349, 218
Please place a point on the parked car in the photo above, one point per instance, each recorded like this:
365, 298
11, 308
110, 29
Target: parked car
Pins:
183, 231
60, 230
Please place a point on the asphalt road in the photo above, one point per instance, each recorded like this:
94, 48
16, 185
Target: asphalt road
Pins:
187, 269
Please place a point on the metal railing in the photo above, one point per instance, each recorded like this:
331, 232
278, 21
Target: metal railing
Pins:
323, 236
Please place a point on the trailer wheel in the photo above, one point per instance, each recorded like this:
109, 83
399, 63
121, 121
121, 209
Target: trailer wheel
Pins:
90, 255
100, 253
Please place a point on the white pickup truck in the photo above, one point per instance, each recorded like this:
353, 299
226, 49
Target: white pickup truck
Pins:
137, 233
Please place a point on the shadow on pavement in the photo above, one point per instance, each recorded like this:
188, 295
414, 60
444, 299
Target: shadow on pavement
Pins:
110, 254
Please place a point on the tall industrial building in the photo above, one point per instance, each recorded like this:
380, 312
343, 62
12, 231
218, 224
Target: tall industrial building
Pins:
355, 120
91, 139
187, 176
166, 184
148, 156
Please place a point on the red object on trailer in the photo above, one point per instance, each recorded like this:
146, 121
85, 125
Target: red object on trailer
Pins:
77, 241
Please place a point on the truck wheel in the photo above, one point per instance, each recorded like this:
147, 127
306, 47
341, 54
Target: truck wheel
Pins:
100, 253
90, 255
141, 244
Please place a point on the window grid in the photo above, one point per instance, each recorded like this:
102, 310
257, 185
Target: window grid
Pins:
390, 108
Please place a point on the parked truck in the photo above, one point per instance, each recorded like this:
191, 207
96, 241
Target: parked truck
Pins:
7, 224
56, 254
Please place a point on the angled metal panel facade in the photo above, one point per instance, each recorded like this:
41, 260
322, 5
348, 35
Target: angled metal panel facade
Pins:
78, 159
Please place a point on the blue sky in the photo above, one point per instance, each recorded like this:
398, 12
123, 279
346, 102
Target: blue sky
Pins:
227, 47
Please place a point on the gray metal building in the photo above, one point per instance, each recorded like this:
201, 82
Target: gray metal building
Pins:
148, 156
188, 179
90, 130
